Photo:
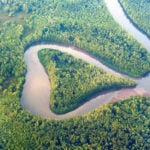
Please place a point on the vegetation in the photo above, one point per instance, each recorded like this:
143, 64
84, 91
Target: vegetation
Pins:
77, 23
123, 124
11, 56
74, 81
141, 18
88, 25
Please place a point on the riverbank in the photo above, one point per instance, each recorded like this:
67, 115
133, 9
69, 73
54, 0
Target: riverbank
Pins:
36, 91
119, 15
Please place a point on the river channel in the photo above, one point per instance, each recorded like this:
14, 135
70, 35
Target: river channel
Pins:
36, 90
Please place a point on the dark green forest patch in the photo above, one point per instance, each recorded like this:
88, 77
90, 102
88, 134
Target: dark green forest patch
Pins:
73, 81
139, 12
86, 24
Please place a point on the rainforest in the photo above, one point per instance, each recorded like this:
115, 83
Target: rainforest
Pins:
65, 67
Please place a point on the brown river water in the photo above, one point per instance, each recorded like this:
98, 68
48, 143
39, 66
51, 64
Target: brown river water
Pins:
36, 91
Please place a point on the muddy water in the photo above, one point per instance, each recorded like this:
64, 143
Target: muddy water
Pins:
36, 91
119, 16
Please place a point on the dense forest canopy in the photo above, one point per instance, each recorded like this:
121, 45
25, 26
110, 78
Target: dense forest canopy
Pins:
76, 23
142, 16
118, 125
68, 75
86, 24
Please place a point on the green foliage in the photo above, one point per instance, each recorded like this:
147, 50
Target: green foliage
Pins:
120, 125
11, 54
140, 13
88, 25
74, 81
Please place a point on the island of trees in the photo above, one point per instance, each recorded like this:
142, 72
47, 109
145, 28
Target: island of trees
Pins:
73, 81
88, 25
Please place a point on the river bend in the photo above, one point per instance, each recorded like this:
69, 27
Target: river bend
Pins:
36, 91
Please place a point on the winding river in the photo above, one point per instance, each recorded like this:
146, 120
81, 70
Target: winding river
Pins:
36, 90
